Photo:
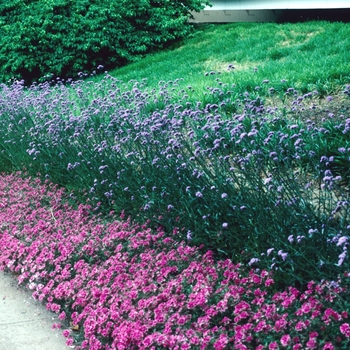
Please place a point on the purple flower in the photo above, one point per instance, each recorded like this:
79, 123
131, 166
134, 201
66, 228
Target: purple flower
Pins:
267, 180
109, 194
224, 195
199, 194
253, 261
224, 225
312, 231
299, 238
282, 255
297, 142
269, 251
341, 258
189, 235
342, 240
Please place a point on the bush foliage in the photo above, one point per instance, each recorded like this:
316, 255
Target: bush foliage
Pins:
64, 37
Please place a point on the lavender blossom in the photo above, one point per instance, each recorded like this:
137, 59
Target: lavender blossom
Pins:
342, 240
282, 254
189, 235
253, 261
341, 258
269, 251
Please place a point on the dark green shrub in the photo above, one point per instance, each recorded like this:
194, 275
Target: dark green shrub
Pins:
64, 37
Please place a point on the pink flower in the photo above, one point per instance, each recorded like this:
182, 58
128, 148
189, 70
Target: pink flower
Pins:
300, 326
306, 308
269, 282
313, 335
62, 315
311, 344
69, 341
315, 314
330, 315
297, 347
280, 324
66, 333
285, 340
221, 343
328, 346
273, 346
345, 329
241, 306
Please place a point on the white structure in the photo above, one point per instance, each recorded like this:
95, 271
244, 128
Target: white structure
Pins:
260, 10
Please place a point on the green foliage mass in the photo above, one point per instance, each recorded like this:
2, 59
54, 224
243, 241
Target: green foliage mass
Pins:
64, 37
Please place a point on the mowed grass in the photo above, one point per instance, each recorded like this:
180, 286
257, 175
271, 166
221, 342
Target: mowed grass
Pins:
308, 56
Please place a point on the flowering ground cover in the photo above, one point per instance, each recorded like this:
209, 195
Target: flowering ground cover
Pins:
245, 174
116, 285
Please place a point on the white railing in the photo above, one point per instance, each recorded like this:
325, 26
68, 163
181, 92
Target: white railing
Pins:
277, 4
261, 10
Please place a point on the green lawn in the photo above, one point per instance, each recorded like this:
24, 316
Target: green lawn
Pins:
310, 55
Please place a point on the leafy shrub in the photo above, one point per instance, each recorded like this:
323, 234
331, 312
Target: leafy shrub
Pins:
65, 37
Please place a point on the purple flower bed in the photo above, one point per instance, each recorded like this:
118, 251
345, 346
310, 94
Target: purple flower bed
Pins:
123, 286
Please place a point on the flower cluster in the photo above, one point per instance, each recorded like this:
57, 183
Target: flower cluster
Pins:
123, 286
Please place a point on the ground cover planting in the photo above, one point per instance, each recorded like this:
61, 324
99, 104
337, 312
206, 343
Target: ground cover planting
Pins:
250, 181
120, 286
178, 215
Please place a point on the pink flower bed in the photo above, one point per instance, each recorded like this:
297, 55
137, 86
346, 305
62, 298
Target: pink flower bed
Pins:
122, 286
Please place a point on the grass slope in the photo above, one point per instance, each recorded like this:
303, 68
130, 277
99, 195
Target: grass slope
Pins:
308, 55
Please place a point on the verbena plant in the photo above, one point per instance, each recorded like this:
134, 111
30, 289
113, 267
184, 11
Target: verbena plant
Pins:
250, 181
